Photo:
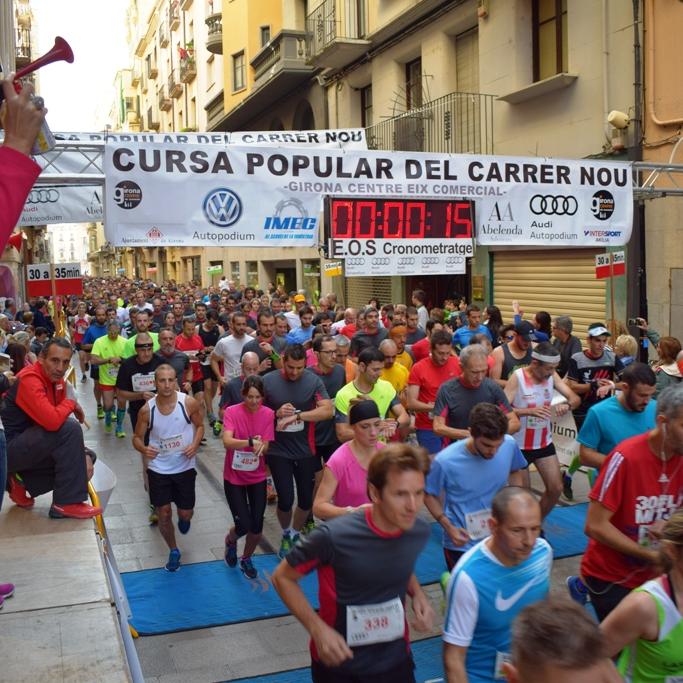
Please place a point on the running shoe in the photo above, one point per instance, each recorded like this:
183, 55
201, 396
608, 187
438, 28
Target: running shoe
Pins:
173, 564
286, 544
74, 511
567, 486
153, 516
577, 589
18, 493
203, 441
211, 419
100, 412
230, 554
120, 433
308, 527
6, 590
247, 567
108, 422
217, 428
444, 582
184, 525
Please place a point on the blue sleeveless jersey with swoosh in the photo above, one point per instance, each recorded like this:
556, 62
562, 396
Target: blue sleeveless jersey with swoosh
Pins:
498, 594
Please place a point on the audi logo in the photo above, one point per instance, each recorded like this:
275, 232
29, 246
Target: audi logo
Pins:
406, 261
454, 260
42, 196
355, 261
551, 205
430, 260
222, 207
381, 261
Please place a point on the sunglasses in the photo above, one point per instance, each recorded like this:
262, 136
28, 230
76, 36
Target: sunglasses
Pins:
144, 346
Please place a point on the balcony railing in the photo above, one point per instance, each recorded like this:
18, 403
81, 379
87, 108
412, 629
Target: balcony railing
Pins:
188, 70
336, 21
286, 51
152, 120
214, 38
165, 102
175, 87
457, 123
23, 51
174, 15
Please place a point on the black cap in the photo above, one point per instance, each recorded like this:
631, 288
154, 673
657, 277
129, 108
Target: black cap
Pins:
526, 330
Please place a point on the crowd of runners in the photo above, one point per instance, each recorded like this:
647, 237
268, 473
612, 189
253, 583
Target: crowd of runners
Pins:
347, 421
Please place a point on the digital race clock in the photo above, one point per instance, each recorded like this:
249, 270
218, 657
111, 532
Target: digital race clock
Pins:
391, 219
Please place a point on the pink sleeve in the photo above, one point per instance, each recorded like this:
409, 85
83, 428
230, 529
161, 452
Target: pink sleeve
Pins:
336, 462
18, 173
228, 421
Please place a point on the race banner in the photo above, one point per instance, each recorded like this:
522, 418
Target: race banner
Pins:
550, 202
48, 204
82, 203
214, 195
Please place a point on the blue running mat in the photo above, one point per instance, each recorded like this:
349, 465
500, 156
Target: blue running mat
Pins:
426, 653
209, 594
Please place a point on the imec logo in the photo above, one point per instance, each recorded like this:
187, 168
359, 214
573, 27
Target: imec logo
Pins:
154, 233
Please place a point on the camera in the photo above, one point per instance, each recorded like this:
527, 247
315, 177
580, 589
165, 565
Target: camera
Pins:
635, 321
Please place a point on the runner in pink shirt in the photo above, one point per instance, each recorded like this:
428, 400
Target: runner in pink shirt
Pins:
344, 484
248, 427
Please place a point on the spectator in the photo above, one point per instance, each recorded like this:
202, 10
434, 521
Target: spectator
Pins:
667, 370
45, 449
625, 349
418, 300
493, 320
565, 342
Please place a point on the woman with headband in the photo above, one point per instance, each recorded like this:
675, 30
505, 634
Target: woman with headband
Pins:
344, 484
647, 625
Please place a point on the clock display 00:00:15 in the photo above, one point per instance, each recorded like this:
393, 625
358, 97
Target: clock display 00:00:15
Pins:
354, 218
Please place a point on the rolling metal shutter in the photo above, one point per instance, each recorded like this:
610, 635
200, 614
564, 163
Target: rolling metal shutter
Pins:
359, 290
559, 281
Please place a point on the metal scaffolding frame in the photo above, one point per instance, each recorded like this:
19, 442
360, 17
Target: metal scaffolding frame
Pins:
81, 163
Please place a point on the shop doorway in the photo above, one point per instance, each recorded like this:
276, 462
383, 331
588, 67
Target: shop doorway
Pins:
286, 277
439, 288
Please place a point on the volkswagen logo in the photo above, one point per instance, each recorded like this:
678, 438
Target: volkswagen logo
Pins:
381, 261
406, 261
454, 260
551, 205
222, 207
430, 260
44, 196
355, 261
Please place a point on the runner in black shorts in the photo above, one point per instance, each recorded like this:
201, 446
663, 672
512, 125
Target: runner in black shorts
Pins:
300, 400
367, 558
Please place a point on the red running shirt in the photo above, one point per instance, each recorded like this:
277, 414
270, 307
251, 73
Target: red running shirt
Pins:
429, 377
640, 490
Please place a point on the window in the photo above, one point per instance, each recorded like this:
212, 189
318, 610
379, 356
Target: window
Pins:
238, 76
265, 35
235, 271
366, 106
549, 19
252, 274
414, 84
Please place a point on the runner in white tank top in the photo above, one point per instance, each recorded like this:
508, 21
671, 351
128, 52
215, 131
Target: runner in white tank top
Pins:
530, 392
168, 432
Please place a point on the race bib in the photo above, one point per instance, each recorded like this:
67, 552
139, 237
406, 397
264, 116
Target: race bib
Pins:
537, 422
297, 426
192, 355
477, 524
171, 444
380, 623
143, 382
81, 329
501, 658
112, 370
244, 461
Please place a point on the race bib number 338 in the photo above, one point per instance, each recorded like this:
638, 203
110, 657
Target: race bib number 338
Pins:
379, 623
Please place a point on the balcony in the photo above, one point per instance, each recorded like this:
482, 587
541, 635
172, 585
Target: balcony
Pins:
175, 87
460, 123
23, 51
152, 122
188, 70
152, 71
135, 77
174, 15
165, 102
214, 39
144, 83
163, 34
336, 32
279, 68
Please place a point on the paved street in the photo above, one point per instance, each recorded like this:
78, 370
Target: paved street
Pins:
212, 654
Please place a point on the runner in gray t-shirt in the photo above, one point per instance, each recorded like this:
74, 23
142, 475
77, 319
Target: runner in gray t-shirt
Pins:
299, 400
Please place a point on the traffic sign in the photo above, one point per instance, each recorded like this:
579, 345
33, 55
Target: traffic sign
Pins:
603, 266
38, 279
618, 263
68, 278
333, 268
